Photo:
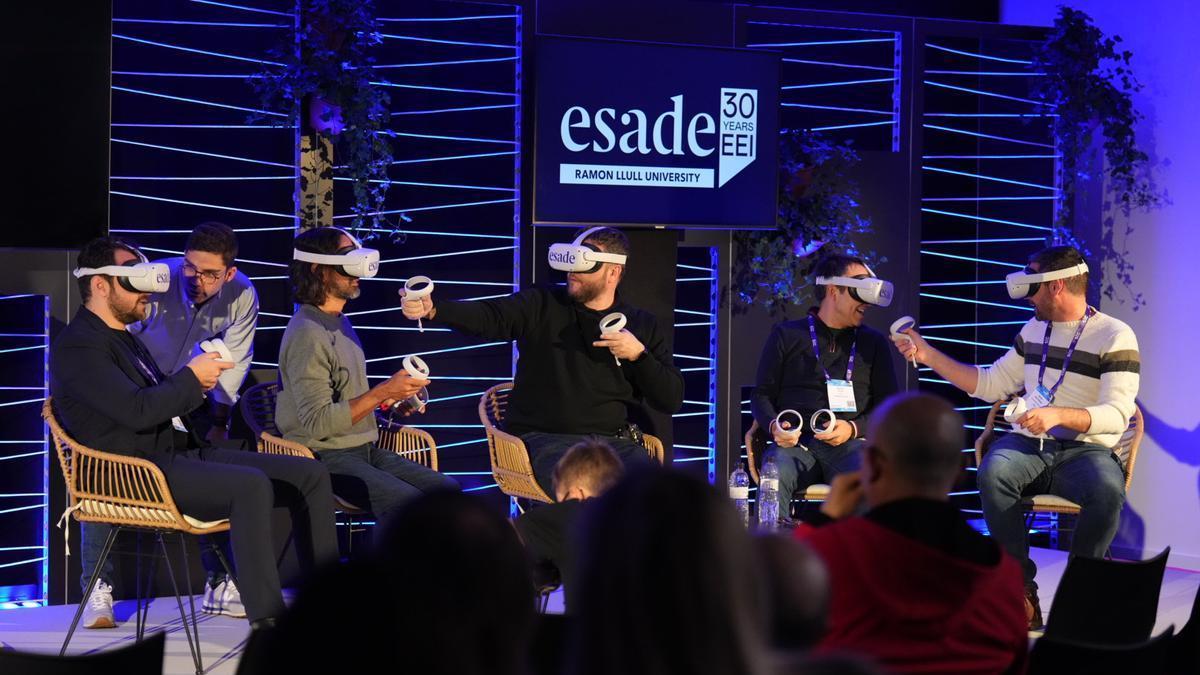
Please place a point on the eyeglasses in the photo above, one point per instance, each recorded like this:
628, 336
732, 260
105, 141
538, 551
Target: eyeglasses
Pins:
207, 276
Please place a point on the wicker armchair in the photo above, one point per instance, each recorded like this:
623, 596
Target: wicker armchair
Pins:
1126, 451
756, 443
510, 459
128, 493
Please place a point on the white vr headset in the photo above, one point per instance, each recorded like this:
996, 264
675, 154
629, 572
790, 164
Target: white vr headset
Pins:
353, 261
135, 276
1025, 283
580, 257
871, 290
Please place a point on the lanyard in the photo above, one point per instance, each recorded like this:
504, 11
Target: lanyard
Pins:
812, 333
1066, 358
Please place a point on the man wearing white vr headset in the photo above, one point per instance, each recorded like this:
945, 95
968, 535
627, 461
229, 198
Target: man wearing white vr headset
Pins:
1077, 372
325, 401
109, 393
573, 380
826, 361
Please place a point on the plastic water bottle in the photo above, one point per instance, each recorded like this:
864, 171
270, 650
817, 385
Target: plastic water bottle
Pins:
768, 495
739, 492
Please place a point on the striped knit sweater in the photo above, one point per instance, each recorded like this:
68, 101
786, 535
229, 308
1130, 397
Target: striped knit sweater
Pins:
1102, 378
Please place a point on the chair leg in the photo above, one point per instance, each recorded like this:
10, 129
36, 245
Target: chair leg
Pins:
144, 591
87, 593
188, 579
224, 562
193, 644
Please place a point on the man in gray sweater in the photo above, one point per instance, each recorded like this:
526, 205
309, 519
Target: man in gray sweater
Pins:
326, 402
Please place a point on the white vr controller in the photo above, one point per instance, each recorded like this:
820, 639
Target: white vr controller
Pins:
897, 330
217, 346
613, 323
416, 367
417, 288
830, 421
792, 418
1015, 409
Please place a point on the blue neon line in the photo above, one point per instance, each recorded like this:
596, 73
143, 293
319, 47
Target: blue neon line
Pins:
427, 329
202, 204
706, 403
991, 178
447, 63
692, 311
450, 18
808, 25
979, 135
986, 199
964, 492
701, 458
468, 473
966, 342
427, 87
147, 73
691, 447
242, 7
986, 220
989, 115
933, 380
980, 92
683, 279
978, 56
27, 454
147, 125
19, 442
437, 351
203, 177
440, 185
22, 349
446, 282
447, 255
446, 426
267, 278
985, 73
975, 324
506, 378
450, 110
22, 494
823, 42
489, 297
963, 283
227, 24
839, 65
981, 241
195, 51
689, 325
477, 489
22, 548
968, 258
196, 100
693, 414
975, 302
850, 126
834, 107
413, 38
447, 234
697, 358
14, 297
452, 138
443, 159
23, 508
819, 85
990, 156
21, 335
698, 268
198, 152
38, 388
427, 208
451, 398
21, 562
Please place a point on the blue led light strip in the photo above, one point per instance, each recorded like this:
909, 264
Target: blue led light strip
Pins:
838, 65
823, 42
289, 216
850, 126
985, 73
965, 342
982, 241
970, 259
834, 107
447, 255
844, 83
426, 208
976, 302
413, 38
976, 55
430, 64
426, 87
979, 135
450, 110
431, 19
242, 7
197, 101
980, 92
453, 157
223, 24
995, 179
194, 51
199, 152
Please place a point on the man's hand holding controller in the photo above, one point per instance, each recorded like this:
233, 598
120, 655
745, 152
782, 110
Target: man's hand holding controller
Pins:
208, 367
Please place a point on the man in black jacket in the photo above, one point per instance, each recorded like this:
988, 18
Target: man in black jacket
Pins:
572, 382
109, 394
804, 364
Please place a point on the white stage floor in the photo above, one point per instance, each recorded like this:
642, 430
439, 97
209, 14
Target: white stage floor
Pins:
42, 629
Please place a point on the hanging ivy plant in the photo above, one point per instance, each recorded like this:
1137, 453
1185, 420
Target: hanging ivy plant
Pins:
1090, 84
326, 78
818, 210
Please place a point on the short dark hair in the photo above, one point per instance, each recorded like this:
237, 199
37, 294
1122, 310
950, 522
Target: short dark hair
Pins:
923, 435
308, 284
98, 252
1060, 258
214, 237
592, 463
833, 265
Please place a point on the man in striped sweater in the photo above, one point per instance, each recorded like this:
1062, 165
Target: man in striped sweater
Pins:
1063, 444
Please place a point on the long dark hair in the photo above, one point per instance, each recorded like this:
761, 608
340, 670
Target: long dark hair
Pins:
666, 583
308, 280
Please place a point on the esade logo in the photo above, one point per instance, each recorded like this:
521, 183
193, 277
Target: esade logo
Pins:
632, 140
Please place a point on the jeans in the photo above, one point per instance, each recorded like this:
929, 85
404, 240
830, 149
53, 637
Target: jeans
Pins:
93, 535
380, 480
799, 468
546, 449
1018, 466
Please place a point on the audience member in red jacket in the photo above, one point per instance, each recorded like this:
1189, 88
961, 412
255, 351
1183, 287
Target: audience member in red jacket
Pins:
913, 585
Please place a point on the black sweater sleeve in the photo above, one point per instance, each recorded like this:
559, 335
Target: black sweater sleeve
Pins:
507, 318
766, 385
883, 382
654, 375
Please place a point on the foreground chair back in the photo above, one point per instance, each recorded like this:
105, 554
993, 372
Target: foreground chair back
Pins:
1057, 656
1112, 602
128, 493
144, 657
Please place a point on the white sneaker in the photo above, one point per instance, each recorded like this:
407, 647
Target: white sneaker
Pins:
98, 613
224, 599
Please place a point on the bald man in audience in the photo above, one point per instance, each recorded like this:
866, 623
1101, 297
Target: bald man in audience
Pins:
914, 586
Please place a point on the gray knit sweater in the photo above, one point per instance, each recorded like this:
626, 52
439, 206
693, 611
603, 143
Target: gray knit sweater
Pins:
322, 367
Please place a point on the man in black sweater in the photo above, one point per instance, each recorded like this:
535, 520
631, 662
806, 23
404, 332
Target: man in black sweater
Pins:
803, 363
571, 382
110, 394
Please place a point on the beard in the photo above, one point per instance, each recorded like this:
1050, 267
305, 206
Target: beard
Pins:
133, 312
584, 292
345, 289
